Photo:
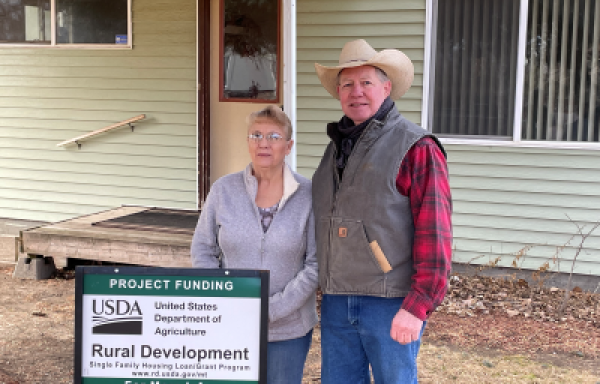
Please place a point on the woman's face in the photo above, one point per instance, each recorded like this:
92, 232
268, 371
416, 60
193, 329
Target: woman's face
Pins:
265, 152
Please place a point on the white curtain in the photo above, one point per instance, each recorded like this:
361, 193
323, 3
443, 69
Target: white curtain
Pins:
561, 82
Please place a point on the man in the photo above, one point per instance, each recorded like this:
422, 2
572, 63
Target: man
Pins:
382, 205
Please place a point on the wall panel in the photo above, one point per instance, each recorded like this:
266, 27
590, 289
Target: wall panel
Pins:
50, 95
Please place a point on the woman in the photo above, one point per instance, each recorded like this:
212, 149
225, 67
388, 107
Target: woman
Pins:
261, 218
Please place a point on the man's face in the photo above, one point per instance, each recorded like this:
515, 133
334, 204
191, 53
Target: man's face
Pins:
362, 92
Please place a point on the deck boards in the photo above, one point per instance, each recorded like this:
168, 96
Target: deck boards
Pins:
78, 238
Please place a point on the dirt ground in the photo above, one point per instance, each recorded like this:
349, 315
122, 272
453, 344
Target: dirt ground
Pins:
36, 330
37, 324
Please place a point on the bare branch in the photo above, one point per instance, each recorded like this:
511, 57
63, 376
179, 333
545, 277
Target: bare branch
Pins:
579, 248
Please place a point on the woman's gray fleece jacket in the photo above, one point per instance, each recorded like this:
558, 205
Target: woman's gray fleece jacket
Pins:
229, 235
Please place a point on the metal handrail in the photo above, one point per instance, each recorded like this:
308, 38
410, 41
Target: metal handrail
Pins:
77, 140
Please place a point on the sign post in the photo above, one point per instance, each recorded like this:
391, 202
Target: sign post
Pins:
137, 325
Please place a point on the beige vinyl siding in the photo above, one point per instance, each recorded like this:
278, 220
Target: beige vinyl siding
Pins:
508, 200
322, 28
48, 95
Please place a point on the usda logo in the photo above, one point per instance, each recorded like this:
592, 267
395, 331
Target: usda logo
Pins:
116, 317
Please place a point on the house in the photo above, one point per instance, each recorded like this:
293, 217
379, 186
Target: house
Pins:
510, 86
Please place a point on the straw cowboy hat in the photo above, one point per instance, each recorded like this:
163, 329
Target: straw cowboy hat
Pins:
396, 65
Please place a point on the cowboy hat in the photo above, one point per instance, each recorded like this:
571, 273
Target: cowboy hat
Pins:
396, 65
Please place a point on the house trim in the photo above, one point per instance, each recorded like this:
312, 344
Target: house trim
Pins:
428, 61
202, 100
289, 73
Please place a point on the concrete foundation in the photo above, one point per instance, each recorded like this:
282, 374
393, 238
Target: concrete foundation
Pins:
34, 268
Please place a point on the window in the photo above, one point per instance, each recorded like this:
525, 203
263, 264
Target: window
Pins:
249, 50
103, 23
91, 21
484, 87
25, 22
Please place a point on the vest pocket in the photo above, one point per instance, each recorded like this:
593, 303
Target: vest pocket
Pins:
353, 265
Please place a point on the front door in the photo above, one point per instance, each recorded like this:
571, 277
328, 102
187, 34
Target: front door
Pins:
222, 141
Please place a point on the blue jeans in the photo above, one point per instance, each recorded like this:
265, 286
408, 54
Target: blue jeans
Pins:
285, 360
355, 333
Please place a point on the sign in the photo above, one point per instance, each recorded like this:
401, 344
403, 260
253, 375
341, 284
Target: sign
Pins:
121, 39
137, 325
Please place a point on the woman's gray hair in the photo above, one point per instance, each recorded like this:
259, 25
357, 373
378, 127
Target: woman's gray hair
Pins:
274, 115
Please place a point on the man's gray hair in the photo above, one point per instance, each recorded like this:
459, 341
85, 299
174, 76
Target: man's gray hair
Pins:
380, 74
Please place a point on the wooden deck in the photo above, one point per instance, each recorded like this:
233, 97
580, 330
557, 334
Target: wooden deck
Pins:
78, 238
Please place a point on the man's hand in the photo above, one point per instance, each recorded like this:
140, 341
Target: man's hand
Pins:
405, 327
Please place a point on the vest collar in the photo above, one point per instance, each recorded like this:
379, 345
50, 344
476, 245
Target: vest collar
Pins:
376, 128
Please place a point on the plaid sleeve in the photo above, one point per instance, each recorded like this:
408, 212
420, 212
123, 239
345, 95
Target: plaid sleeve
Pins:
423, 177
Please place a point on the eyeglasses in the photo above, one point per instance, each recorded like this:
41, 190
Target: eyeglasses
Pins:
272, 137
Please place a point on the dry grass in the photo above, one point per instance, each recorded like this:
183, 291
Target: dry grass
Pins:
441, 364
449, 364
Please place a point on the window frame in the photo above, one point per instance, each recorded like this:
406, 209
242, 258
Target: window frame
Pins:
53, 44
429, 83
221, 51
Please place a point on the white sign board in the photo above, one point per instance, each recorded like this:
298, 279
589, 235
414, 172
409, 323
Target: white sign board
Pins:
170, 326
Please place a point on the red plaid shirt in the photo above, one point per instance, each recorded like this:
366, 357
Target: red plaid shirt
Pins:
423, 177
